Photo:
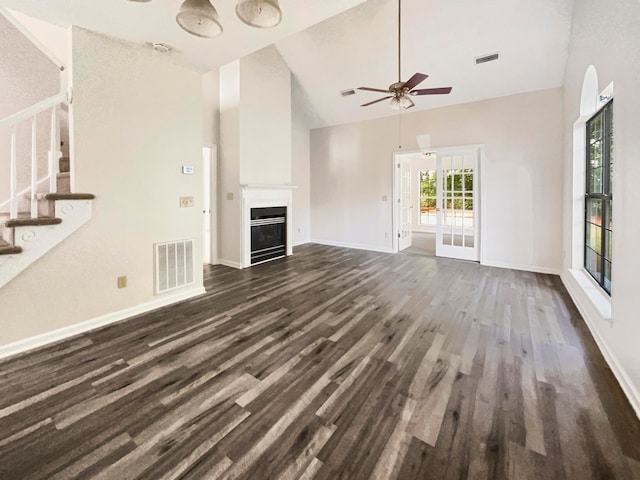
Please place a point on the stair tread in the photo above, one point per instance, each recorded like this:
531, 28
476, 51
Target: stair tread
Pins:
64, 174
69, 196
9, 249
32, 222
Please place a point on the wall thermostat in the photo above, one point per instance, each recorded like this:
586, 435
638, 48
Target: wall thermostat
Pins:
187, 170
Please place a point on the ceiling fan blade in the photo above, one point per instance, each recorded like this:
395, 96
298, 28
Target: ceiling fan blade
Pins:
373, 89
376, 101
432, 91
415, 80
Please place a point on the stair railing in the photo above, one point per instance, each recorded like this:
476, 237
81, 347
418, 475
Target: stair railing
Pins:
11, 122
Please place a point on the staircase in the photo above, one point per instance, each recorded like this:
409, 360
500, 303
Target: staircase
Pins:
39, 217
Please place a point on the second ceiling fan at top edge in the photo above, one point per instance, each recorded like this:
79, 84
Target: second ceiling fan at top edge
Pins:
398, 92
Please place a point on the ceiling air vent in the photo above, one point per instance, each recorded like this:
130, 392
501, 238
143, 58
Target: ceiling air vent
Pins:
487, 58
346, 93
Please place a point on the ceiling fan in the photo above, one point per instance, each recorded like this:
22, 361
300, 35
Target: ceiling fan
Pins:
399, 91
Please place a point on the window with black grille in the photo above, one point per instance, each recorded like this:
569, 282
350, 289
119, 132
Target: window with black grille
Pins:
599, 197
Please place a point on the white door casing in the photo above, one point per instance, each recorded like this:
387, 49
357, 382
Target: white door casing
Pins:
209, 205
206, 205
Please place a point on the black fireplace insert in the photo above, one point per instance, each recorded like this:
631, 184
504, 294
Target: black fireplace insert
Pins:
268, 233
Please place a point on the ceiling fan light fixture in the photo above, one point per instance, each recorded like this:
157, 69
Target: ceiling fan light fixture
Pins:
259, 13
199, 18
405, 102
401, 102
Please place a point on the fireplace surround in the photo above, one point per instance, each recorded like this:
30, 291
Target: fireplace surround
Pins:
265, 197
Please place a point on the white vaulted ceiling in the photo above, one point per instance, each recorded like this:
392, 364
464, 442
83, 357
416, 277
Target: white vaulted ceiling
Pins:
334, 45
439, 38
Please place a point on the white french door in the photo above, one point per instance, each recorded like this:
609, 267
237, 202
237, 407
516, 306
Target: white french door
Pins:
457, 200
404, 201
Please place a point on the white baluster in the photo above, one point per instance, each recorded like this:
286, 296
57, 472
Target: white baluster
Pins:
13, 177
54, 167
34, 169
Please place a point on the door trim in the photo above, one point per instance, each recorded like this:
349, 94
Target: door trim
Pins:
395, 191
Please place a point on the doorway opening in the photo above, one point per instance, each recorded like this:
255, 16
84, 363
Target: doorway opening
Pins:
437, 195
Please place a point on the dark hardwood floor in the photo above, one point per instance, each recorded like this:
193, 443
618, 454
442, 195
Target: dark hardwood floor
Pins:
330, 364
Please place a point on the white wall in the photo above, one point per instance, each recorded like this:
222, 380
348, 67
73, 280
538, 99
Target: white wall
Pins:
265, 119
351, 171
300, 164
229, 200
255, 137
52, 38
137, 120
211, 108
606, 35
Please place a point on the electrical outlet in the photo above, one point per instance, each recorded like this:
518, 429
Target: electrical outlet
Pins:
229, 195
384, 198
122, 281
186, 202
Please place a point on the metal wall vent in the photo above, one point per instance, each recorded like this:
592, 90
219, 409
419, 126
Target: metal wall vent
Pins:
487, 58
173, 265
346, 93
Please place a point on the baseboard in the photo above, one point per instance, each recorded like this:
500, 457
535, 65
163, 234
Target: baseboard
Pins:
357, 246
229, 263
592, 317
525, 268
72, 330
301, 242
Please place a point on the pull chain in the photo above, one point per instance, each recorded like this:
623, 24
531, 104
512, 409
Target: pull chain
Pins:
400, 129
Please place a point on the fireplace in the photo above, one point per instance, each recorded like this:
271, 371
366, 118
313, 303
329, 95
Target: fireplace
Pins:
266, 223
268, 233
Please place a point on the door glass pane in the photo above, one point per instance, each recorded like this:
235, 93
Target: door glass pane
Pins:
468, 241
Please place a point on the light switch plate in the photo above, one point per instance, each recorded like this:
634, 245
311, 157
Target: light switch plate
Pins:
229, 195
186, 202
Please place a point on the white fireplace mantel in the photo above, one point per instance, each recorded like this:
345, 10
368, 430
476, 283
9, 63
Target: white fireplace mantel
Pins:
259, 196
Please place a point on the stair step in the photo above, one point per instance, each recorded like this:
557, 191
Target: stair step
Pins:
64, 164
69, 196
64, 182
32, 222
8, 249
